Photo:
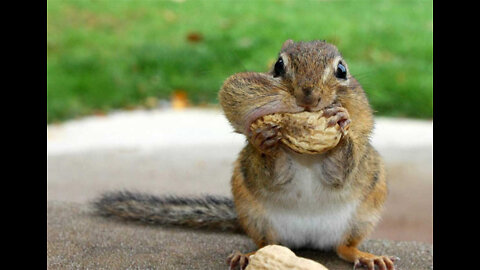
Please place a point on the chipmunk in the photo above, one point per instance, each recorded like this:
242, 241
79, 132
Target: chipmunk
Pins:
324, 201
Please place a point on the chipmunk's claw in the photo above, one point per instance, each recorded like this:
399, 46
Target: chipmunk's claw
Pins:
266, 138
338, 115
383, 263
237, 259
356, 265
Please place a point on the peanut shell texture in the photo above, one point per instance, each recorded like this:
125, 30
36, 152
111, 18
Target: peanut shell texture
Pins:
280, 258
304, 132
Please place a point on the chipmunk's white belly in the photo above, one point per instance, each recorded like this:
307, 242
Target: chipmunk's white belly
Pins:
307, 214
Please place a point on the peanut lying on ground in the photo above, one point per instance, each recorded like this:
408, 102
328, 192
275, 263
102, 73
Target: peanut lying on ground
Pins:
280, 258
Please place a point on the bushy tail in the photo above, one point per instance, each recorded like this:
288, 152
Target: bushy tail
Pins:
209, 212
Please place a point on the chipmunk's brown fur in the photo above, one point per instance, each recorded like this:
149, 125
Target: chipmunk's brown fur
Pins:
266, 172
326, 201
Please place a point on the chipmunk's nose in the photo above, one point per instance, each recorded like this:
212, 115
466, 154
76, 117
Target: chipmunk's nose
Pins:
307, 97
307, 91
308, 101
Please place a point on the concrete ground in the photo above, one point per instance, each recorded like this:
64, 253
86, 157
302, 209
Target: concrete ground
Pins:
191, 152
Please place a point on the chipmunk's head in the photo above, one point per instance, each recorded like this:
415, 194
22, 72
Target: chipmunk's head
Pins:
308, 76
314, 72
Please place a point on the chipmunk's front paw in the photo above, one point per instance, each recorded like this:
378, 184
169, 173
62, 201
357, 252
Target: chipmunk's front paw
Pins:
338, 115
383, 262
266, 138
237, 259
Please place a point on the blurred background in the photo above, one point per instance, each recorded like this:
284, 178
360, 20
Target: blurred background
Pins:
132, 92
105, 55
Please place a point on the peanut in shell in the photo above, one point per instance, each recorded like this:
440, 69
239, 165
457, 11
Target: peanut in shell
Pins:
304, 132
276, 257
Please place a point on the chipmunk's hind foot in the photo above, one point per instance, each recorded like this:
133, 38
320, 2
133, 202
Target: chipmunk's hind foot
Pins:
369, 262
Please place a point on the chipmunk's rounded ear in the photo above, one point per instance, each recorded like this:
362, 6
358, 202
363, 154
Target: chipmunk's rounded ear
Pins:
287, 43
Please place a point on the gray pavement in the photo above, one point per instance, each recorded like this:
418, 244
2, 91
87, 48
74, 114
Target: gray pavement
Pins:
77, 239
191, 152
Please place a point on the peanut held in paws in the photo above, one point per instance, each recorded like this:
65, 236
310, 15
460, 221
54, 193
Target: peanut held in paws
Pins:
305, 132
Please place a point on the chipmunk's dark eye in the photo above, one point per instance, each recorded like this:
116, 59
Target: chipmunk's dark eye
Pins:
341, 72
279, 68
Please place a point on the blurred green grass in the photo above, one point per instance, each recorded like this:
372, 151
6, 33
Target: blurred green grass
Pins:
104, 55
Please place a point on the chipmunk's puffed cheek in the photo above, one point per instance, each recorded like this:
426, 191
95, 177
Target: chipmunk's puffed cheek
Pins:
271, 108
247, 96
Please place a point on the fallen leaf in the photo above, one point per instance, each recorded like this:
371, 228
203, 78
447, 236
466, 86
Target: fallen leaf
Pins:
194, 37
179, 99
